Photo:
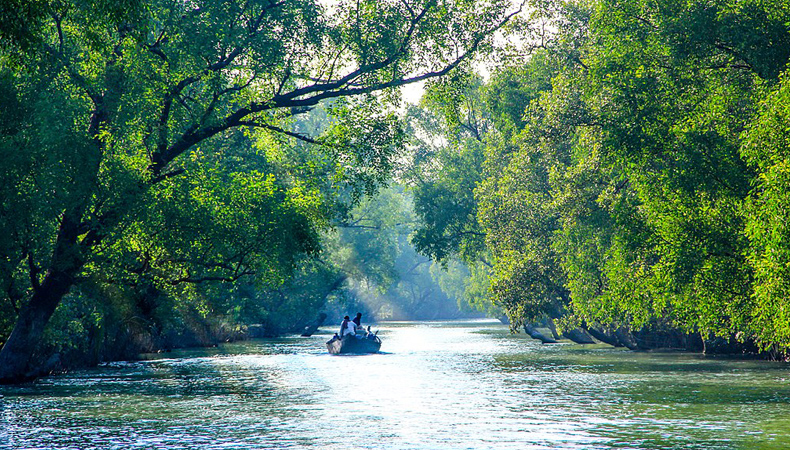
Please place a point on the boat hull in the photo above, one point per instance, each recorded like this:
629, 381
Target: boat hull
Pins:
350, 344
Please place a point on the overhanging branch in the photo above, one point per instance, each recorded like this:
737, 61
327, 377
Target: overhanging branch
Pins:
301, 137
310, 95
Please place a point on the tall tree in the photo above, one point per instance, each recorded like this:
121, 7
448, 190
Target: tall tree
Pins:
766, 145
628, 177
108, 106
447, 133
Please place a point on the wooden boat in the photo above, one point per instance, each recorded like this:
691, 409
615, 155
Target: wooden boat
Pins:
354, 344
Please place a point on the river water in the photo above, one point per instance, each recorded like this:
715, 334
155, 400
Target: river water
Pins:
437, 385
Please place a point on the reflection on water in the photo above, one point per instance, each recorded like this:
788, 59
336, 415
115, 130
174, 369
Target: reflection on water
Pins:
440, 385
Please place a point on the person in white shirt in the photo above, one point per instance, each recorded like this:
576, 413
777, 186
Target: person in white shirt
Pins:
352, 328
347, 327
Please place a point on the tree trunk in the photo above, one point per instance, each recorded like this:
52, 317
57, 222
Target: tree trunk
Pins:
313, 327
604, 337
553, 329
29, 328
626, 338
535, 334
66, 261
578, 336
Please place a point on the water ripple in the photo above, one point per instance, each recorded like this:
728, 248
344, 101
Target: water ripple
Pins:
438, 386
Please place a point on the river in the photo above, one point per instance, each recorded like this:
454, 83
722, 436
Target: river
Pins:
437, 385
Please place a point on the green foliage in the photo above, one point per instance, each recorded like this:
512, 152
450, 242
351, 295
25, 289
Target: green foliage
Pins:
517, 208
469, 284
633, 171
447, 204
445, 168
670, 106
511, 89
766, 148
628, 185
156, 143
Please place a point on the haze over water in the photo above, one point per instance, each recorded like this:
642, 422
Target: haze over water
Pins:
439, 385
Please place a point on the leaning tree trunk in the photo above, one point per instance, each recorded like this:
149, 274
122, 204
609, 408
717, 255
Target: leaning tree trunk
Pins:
535, 334
311, 328
578, 336
603, 337
626, 338
29, 328
553, 329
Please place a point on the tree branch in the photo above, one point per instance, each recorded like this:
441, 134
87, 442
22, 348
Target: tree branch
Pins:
198, 280
277, 129
34, 271
314, 94
165, 176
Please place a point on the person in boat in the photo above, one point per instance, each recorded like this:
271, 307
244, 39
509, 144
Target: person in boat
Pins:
358, 319
347, 327
344, 326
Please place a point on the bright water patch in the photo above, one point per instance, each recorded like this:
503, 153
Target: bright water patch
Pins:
439, 385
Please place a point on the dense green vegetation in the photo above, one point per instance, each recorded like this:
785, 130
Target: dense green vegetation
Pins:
151, 150
633, 173
174, 171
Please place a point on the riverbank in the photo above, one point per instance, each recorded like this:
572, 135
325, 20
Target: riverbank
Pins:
647, 340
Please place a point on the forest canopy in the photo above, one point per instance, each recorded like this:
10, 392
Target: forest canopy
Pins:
620, 170
632, 176
151, 148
